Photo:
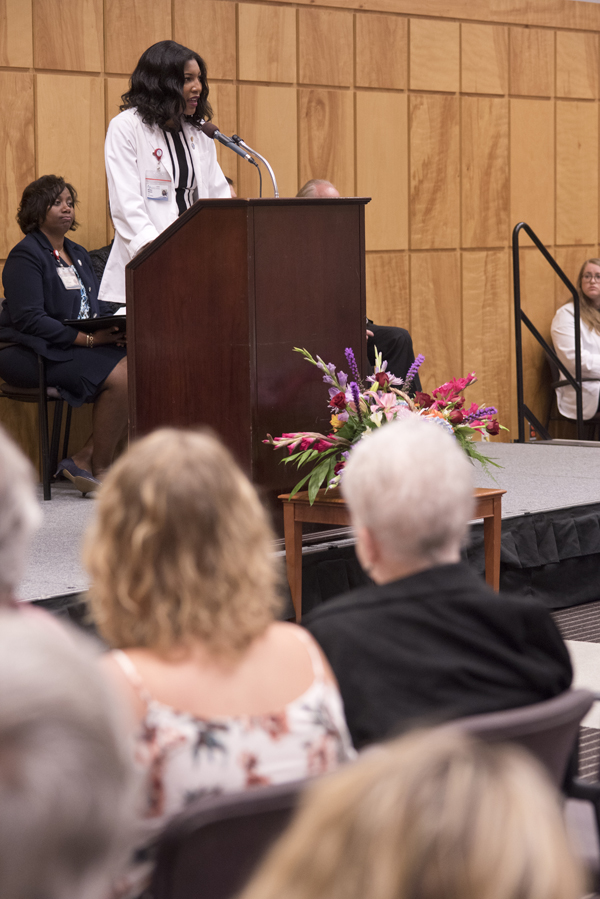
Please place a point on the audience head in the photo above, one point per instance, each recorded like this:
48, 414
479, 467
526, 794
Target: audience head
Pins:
65, 773
38, 197
434, 814
318, 188
181, 549
409, 489
589, 293
20, 514
156, 86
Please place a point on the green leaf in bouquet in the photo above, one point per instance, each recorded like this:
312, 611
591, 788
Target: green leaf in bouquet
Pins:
317, 477
300, 484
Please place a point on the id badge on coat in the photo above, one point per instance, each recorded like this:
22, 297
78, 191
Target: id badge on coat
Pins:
68, 276
158, 185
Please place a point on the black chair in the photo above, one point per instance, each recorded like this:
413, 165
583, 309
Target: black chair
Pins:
553, 414
213, 847
42, 395
550, 731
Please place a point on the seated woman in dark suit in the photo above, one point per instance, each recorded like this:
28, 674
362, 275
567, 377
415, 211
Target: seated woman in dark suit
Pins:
49, 279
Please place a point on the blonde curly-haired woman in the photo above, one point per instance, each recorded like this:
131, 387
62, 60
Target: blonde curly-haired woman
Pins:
184, 585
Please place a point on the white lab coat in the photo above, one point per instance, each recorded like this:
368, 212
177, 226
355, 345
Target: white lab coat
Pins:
563, 337
128, 153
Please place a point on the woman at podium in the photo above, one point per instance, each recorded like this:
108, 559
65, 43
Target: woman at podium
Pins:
158, 161
48, 279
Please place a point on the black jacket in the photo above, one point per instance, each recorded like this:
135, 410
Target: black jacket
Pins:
37, 302
435, 646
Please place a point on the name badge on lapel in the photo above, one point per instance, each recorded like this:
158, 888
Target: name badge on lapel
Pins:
158, 185
68, 276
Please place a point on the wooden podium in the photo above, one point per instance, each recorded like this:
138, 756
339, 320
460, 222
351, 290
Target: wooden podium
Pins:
215, 306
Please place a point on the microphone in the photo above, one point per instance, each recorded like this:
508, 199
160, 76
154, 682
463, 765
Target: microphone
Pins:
213, 132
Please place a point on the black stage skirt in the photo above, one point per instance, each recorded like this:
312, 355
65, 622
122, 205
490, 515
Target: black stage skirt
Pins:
78, 381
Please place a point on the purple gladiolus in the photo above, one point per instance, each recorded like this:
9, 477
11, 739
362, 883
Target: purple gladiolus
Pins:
349, 353
487, 412
355, 395
412, 371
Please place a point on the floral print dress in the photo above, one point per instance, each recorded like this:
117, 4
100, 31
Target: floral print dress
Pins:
183, 757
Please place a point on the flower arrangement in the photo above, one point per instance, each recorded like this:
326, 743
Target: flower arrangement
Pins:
359, 408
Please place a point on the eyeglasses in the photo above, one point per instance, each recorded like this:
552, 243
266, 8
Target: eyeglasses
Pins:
590, 277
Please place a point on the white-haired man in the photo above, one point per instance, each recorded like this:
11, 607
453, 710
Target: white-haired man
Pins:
429, 641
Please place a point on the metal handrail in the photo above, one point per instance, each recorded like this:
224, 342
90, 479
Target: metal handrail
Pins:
524, 412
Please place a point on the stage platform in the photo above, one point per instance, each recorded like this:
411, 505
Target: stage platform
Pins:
550, 533
550, 528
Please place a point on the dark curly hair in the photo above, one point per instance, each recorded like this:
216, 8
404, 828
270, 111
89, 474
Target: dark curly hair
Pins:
156, 86
37, 199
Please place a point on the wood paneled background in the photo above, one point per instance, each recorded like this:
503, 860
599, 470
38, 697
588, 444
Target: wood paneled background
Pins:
459, 119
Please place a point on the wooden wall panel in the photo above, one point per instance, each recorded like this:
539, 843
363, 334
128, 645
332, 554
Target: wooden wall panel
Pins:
326, 139
436, 315
381, 52
570, 260
17, 151
20, 422
537, 301
532, 166
130, 27
223, 98
325, 47
576, 65
80, 160
576, 173
68, 35
545, 13
434, 55
434, 172
485, 188
382, 168
16, 33
484, 59
532, 62
267, 43
486, 313
388, 299
268, 123
114, 90
208, 27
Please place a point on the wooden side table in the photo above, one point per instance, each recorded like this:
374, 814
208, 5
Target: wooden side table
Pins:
331, 509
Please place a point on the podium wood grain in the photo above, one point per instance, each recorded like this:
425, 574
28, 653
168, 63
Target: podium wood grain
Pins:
217, 304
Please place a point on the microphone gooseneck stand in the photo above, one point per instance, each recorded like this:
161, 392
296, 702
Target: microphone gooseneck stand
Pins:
236, 144
238, 140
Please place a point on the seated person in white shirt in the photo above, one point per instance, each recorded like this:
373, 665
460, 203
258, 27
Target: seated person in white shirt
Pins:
563, 337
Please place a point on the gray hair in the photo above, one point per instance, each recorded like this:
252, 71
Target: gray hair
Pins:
20, 512
410, 484
310, 189
66, 775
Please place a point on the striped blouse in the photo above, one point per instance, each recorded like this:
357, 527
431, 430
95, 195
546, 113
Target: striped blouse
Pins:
184, 177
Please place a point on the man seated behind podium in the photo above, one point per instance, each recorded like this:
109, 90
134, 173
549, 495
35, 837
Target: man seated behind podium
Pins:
395, 344
429, 640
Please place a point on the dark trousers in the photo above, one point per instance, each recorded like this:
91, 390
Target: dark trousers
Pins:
395, 345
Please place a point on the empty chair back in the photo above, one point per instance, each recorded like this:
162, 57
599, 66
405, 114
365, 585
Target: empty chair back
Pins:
548, 729
212, 848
